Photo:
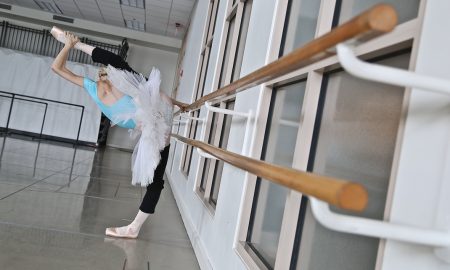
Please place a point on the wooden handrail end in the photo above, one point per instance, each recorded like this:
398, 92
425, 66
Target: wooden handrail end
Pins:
382, 18
353, 197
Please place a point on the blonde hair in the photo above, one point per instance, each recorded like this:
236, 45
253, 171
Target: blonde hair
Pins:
101, 71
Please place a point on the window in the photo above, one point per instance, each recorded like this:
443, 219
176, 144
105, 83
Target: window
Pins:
269, 199
232, 51
356, 140
200, 87
322, 119
280, 138
236, 25
301, 21
218, 165
406, 9
212, 169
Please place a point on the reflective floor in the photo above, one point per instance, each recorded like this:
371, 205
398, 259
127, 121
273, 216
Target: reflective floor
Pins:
56, 201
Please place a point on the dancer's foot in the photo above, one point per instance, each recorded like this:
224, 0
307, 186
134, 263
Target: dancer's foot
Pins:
122, 232
60, 35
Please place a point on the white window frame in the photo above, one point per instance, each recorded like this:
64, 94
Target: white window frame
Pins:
233, 11
204, 59
401, 35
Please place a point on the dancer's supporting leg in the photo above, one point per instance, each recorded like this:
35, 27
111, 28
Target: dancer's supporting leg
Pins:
148, 204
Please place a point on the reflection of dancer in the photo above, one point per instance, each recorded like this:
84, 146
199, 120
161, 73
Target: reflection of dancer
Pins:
132, 102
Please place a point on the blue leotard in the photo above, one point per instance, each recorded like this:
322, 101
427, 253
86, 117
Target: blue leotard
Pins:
124, 105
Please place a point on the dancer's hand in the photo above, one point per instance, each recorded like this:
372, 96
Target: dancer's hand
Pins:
182, 106
71, 39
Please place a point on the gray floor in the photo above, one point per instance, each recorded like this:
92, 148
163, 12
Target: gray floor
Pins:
55, 203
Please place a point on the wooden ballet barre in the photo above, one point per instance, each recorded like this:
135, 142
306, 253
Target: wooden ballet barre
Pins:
341, 193
377, 20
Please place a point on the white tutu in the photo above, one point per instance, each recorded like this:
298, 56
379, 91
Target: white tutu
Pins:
153, 118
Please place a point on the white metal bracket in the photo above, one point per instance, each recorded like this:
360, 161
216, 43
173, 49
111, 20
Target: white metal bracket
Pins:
203, 122
382, 229
390, 75
192, 118
249, 116
438, 239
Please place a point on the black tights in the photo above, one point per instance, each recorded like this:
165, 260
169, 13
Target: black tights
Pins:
153, 193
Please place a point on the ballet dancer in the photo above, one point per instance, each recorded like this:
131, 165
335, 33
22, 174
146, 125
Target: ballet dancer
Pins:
130, 101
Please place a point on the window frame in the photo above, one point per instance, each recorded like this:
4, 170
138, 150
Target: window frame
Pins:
405, 34
191, 128
233, 12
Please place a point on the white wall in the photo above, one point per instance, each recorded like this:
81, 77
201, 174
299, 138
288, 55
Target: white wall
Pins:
422, 189
140, 58
213, 236
31, 75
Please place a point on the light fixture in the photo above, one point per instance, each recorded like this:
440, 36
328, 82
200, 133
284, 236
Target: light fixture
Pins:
135, 25
133, 3
49, 6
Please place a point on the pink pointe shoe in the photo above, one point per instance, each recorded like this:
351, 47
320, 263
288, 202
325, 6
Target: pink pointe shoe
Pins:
59, 35
122, 232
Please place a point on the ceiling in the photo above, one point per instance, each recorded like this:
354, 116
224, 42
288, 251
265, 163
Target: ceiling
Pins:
153, 16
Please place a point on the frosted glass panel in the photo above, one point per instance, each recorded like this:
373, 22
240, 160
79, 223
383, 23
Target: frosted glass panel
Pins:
223, 142
226, 56
406, 9
301, 26
356, 142
239, 55
208, 161
268, 206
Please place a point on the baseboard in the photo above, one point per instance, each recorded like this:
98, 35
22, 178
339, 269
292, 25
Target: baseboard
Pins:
46, 137
199, 248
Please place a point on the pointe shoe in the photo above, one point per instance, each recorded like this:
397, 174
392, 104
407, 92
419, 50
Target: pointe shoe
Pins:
59, 35
115, 233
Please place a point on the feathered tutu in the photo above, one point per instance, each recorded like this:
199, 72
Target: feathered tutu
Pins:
153, 117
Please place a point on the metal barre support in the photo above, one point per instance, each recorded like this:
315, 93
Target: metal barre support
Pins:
44, 99
33, 101
249, 116
440, 240
384, 74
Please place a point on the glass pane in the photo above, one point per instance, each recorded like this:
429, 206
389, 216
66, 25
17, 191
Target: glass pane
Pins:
356, 141
241, 41
406, 9
226, 55
301, 21
207, 164
279, 147
213, 19
204, 73
226, 126
210, 22
192, 135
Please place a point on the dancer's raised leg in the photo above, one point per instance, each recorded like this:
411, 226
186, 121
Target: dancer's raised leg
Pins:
98, 55
60, 36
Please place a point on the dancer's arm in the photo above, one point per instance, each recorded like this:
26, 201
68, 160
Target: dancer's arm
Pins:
174, 101
59, 65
